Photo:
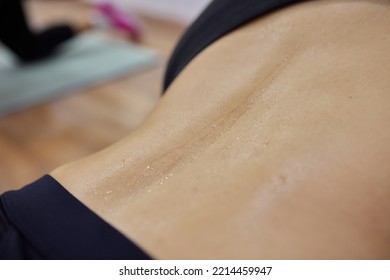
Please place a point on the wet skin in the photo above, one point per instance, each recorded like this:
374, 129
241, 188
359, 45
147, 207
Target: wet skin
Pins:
273, 143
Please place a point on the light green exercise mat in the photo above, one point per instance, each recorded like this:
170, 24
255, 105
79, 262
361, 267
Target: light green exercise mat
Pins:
86, 60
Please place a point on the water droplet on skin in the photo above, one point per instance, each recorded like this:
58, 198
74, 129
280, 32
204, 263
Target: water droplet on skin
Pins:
166, 177
148, 167
108, 192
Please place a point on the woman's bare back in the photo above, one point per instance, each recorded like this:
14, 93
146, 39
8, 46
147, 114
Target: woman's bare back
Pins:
272, 143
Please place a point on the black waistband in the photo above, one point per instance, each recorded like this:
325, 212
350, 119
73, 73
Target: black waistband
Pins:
4, 224
61, 227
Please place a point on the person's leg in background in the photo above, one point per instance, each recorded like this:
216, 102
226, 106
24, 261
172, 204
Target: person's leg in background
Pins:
28, 45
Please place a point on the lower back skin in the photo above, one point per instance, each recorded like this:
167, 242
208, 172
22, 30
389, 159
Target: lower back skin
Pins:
271, 144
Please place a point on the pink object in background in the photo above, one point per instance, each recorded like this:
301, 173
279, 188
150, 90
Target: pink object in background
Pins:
122, 20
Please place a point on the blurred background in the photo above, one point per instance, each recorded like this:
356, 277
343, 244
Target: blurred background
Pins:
180, 11
36, 139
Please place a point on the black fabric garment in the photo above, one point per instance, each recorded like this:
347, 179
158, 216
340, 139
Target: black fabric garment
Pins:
217, 20
13, 245
44, 221
24, 43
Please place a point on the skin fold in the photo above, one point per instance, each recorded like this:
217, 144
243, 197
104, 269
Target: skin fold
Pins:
273, 143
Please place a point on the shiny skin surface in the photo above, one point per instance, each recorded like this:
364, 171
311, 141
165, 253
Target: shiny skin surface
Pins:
272, 144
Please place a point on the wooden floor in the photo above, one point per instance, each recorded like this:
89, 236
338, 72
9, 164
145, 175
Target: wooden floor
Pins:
35, 141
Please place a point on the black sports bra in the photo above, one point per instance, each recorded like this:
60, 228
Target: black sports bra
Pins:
217, 20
